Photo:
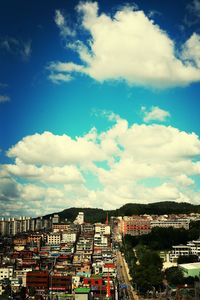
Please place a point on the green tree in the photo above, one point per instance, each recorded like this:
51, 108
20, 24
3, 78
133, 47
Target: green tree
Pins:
148, 272
174, 276
32, 291
184, 259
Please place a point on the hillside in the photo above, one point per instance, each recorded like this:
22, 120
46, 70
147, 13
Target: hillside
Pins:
99, 215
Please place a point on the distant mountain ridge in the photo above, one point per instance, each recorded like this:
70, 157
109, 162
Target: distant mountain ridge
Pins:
99, 215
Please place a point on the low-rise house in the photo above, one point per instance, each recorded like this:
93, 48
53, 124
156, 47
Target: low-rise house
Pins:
60, 283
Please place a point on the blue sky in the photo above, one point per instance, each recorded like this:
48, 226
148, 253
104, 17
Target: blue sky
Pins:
99, 104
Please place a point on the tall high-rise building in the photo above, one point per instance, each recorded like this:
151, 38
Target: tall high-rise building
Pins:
55, 219
79, 219
3, 226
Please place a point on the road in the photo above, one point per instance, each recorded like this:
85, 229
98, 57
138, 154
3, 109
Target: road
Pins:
127, 293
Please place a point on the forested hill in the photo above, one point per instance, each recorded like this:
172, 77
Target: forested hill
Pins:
99, 215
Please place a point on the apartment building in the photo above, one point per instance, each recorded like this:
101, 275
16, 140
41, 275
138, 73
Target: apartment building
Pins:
35, 239
79, 219
192, 248
179, 250
38, 279
53, 239
20, 274
69, 237
100, 240
84, 244
102, 228
6, 272
60, 227
195, 247
175, 223
55, 219
135, 225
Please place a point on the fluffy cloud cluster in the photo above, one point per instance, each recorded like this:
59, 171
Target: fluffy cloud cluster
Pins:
155, 114
128, 46
137, 163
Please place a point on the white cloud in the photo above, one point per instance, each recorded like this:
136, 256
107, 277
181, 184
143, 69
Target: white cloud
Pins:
60, 21
50, 149
17, 47
59, 77
155, 114
191, 50
125, 163
35, 192
184, 180
66, 174
136, 50
62, 67
193, 13
59, 72
4, 98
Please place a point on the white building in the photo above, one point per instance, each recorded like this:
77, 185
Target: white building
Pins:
69, 237
3, 227
192, 248
179, 250
102, 228
79, 219
109, 267
100, 240
195, 247
175, 223
12, 226
38, 223
21, 275
84, 244
55, 219
6, 273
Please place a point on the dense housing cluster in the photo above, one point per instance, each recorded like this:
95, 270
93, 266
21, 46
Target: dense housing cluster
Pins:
47, 257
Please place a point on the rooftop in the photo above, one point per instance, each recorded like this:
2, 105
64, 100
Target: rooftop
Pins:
82, 290
191, 266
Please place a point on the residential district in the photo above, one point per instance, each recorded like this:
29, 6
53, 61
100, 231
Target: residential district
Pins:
46, 258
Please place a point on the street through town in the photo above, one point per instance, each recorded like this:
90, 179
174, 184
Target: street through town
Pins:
126, 291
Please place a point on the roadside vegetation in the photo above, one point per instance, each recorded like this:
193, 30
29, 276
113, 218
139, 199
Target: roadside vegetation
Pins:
145, 264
